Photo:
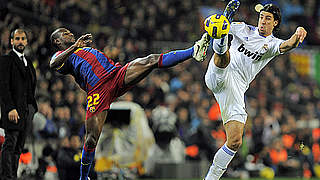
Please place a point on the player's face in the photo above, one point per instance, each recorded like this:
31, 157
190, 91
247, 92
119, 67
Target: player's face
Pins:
19, 41
266, 23
67, 37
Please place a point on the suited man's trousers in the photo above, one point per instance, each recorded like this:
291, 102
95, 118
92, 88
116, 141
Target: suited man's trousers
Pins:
13, 147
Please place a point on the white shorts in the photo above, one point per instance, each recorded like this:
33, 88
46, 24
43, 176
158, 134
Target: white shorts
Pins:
228, 89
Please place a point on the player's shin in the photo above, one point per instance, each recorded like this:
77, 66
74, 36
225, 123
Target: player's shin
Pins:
86, 161
220, 163
220, 46
174, 57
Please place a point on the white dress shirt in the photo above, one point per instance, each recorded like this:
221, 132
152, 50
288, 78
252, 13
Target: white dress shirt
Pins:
21, 57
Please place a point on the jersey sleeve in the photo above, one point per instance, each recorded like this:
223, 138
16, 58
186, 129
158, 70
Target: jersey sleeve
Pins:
63, 69
275, 47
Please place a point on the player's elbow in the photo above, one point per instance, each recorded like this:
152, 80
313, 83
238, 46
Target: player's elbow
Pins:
53, 64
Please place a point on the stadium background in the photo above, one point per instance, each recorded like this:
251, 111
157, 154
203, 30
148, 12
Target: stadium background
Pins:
282, 102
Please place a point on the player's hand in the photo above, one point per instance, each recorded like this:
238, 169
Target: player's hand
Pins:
84, 41
13, 116
301, 33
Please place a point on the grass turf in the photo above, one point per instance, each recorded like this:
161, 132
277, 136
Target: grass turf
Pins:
236, 178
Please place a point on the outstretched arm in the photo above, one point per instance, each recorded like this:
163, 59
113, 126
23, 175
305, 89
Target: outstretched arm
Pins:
294, 40
83, 41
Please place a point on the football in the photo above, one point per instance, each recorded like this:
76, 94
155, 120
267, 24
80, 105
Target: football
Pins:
217, 26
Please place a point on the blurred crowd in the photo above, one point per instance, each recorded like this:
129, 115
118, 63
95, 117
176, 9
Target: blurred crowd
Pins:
282, 129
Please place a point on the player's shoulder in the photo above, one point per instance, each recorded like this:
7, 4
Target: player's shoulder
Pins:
238, 24
243, 25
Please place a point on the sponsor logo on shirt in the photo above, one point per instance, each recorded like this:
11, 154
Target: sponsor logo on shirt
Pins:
253, 55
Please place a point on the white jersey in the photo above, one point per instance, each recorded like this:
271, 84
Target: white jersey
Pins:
249, 53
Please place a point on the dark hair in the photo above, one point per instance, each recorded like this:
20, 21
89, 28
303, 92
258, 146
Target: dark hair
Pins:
273, 9
18, 30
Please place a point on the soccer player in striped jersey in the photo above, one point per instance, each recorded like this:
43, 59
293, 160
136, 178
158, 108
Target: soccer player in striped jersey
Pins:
231, 70
104, 80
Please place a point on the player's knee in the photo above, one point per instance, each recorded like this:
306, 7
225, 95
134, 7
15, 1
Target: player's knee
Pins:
91, 141
222, 60
234, 142
152, 59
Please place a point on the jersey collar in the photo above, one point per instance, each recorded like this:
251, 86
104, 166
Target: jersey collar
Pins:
271, 36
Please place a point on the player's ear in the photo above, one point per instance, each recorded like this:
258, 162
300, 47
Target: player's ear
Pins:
57, 42
11, 41
275, 23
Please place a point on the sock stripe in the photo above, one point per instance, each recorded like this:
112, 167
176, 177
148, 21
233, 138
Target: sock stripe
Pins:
225, 149
220, 167
160, 60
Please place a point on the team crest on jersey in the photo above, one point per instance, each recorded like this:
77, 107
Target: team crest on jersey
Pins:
92, 109
265, 47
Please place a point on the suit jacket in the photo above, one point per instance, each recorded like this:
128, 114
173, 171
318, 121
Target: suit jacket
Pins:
13, 89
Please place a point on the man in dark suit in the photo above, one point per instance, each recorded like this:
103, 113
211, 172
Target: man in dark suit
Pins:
18, 105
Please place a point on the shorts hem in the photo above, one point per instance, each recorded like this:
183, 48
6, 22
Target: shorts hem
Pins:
242, 118
97, 112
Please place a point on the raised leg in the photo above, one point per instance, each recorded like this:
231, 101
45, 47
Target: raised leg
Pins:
220, 46
141, 67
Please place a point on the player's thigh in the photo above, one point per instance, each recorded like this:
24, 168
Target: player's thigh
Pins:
95, 123
215, 77
140, 68
234, 130
222, 61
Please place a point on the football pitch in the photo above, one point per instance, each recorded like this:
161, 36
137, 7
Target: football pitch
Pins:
238, 178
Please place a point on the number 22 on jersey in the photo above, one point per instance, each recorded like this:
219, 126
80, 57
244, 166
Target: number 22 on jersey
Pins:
93, 100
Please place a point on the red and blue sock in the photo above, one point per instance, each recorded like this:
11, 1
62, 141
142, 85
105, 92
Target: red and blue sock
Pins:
86, 161
174, 57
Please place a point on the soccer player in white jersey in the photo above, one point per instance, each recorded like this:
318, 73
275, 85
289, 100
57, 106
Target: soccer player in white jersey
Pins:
230, 72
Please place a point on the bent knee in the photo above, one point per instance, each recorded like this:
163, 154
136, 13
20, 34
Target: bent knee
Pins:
152, 59
222, 60
234, 143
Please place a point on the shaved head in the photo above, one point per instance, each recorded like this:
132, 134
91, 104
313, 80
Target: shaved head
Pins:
62, 38
55, 35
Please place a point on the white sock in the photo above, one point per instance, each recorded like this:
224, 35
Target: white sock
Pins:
220, 163
220, 46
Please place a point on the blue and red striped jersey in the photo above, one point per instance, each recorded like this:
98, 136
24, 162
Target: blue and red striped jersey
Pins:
88, 66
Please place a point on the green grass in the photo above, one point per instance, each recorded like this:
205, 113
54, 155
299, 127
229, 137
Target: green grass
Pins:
237, 178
